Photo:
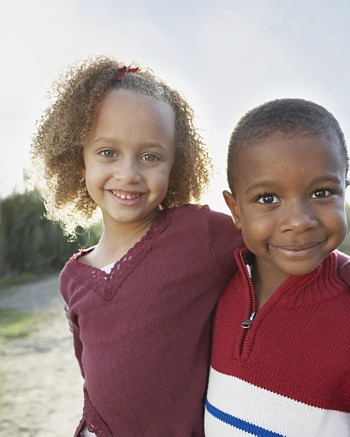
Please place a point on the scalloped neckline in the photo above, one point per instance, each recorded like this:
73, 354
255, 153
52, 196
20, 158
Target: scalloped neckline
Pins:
107, 284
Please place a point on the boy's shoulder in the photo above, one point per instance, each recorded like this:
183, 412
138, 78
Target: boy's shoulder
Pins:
343, 264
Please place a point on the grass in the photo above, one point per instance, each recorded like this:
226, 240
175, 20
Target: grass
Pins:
14, 324
8, 281
4, 401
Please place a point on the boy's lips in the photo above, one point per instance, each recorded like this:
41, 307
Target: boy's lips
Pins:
298, 250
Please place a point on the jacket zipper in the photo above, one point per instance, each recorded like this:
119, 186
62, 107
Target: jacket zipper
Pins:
247, 323
247, 262
246, 259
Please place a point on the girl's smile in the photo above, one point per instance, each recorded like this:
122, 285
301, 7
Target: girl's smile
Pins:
126, 198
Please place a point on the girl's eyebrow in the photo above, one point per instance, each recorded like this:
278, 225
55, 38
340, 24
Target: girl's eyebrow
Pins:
114, 141
102, 140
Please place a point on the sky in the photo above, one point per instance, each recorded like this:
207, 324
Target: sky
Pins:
225, 57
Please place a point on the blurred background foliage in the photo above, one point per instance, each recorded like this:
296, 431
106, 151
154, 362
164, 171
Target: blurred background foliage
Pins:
31, 244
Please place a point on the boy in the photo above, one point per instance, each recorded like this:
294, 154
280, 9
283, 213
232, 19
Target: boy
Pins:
281, 345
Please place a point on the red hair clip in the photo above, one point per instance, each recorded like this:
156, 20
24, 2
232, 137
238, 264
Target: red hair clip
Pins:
124, 70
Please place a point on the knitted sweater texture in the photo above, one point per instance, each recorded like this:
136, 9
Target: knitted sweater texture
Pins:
289, 372
142, 332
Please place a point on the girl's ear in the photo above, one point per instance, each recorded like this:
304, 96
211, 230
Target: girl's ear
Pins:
82, 172
233, 206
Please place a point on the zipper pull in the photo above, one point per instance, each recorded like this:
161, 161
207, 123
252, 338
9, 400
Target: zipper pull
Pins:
248, 322
249, 270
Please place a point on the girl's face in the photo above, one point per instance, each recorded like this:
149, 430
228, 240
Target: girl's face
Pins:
129, 156
289, 203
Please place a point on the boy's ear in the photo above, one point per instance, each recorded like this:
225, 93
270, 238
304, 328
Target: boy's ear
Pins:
233, 206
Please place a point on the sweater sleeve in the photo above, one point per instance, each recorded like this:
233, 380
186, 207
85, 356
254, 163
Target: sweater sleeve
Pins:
78, 346
343, 262
224, 239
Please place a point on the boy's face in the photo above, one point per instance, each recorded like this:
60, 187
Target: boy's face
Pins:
289, 202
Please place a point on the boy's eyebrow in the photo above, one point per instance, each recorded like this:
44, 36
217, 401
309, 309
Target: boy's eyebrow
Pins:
329, 178
265, 184
259, 185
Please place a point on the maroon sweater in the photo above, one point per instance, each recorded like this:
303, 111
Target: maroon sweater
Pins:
142, 332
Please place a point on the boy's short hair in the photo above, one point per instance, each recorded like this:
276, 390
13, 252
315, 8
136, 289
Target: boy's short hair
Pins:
63, 129
289, 116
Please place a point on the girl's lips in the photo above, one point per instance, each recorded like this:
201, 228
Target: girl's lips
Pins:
125, 195
126, 198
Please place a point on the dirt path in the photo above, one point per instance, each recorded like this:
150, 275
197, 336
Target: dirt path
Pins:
39, 373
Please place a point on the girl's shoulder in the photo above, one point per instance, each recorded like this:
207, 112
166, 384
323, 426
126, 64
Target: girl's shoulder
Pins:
217, 227
75, 261
214, 221
194, 210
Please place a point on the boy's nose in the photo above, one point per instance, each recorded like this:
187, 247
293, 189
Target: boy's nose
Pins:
298, 217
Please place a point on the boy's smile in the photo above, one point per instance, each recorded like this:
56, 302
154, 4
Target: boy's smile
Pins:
288, 201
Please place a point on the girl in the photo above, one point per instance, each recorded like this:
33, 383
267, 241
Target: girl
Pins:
121, 140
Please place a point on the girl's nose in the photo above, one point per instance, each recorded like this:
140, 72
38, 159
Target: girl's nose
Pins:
127, 170
298, 217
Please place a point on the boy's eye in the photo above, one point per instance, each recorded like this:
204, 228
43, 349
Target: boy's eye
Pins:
107, 153
267, 199
319, 194
150, 157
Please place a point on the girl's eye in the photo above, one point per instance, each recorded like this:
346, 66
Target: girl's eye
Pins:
267, 199
150, 157
107, 153
319, 194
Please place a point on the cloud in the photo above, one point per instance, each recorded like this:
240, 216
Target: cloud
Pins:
225, 57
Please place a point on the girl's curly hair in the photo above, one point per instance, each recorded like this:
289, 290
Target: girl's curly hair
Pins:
56, 148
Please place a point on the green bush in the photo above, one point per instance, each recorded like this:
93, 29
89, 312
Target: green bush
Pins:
31, 243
